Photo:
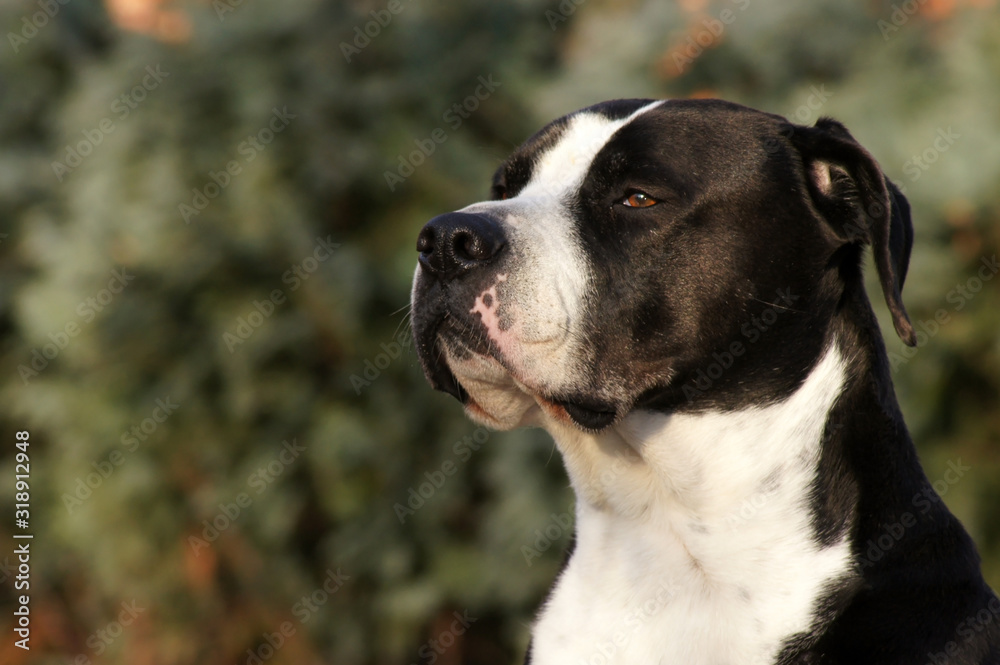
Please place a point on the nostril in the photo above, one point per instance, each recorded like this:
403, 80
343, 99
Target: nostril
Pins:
470, 247
425, 241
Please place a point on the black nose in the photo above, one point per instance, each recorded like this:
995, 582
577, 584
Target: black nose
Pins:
456, 242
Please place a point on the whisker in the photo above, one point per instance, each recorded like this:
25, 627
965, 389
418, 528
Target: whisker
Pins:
406, 321
774, 304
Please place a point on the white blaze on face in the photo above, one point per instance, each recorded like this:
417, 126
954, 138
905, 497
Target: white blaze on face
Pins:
542, 295
561, 169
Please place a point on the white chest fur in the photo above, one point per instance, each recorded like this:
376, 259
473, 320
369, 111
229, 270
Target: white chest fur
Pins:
694, 542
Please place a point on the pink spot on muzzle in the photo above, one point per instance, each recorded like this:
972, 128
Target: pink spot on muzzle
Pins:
487, 306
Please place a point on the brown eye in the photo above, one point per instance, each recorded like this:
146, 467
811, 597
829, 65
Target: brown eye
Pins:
639, 200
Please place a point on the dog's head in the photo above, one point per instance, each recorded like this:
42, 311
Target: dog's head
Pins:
639, 254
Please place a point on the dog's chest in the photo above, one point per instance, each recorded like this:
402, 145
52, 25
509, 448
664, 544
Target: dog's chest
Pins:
701, 549
631, 595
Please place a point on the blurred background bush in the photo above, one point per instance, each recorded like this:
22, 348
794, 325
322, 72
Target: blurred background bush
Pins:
207, 221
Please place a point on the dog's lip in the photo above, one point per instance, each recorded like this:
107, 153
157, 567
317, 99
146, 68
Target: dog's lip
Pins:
443, 379
584, 412
588, 414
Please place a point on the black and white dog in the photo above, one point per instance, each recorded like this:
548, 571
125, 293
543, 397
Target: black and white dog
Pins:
674, 291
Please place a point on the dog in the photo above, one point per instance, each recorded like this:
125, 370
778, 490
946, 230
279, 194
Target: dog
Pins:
673, 290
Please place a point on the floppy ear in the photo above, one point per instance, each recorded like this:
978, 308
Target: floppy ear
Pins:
861, 205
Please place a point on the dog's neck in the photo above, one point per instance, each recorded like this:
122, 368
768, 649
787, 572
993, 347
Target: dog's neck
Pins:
700, 513
703, 464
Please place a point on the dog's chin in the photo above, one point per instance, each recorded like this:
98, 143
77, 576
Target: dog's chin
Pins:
492, 396
495, 398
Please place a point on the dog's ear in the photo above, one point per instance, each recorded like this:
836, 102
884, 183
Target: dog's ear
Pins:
861, 205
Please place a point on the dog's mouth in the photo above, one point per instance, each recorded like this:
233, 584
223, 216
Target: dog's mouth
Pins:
589, 414
441, 378
495, 394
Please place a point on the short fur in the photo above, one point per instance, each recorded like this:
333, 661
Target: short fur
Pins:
714, 377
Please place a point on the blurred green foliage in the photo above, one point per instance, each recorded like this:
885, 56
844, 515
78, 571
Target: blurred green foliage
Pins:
201, 318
